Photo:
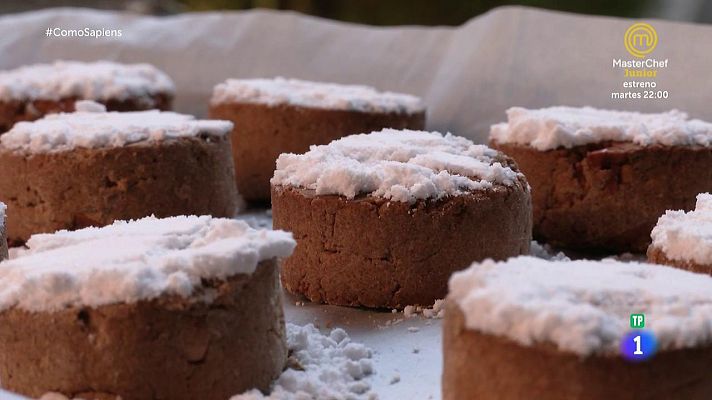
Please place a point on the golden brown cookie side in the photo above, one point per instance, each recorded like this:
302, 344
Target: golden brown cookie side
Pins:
94, 187
377, 253
166, 348
607, 197
657, 255
483, 366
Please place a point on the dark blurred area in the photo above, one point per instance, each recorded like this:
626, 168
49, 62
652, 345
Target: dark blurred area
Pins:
390, 12
418, 12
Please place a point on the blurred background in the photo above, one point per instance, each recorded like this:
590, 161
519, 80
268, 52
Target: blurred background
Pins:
391, 12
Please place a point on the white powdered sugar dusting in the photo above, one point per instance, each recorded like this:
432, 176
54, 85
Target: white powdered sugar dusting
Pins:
435, 311
583, 307
687, 236
3, 210
555, 127
101, 80
332, 367
546, 252
131, 261
89, 106
91, 127
399, 165
296, 92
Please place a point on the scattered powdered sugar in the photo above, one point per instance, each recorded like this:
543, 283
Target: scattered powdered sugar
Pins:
89, 106
546, 252
137, 260
583, 307
391, 322
3, 210
553, 127
278, 91
687, 236
400, 165
436, 311
91, 127
101, 80
333, 367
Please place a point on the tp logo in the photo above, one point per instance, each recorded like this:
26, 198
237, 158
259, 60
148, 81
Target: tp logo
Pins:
639, 344
640, 39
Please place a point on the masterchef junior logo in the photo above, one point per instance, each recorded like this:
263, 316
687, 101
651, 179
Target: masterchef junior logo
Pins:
640, 39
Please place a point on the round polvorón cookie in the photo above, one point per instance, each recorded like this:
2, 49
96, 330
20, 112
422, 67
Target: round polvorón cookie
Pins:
600, 179
588, 330
91, 167
179, 308
383, 219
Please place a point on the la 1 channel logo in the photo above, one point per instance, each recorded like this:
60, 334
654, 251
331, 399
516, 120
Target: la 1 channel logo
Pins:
639, 344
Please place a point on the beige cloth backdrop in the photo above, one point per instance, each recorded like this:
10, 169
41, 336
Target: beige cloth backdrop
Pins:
467, 75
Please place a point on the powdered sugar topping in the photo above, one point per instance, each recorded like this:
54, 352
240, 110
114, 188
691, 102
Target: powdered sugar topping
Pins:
554, 127
90, 127
131, 261
399, 165
315, 95
101, 80
687, 236
583, 306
